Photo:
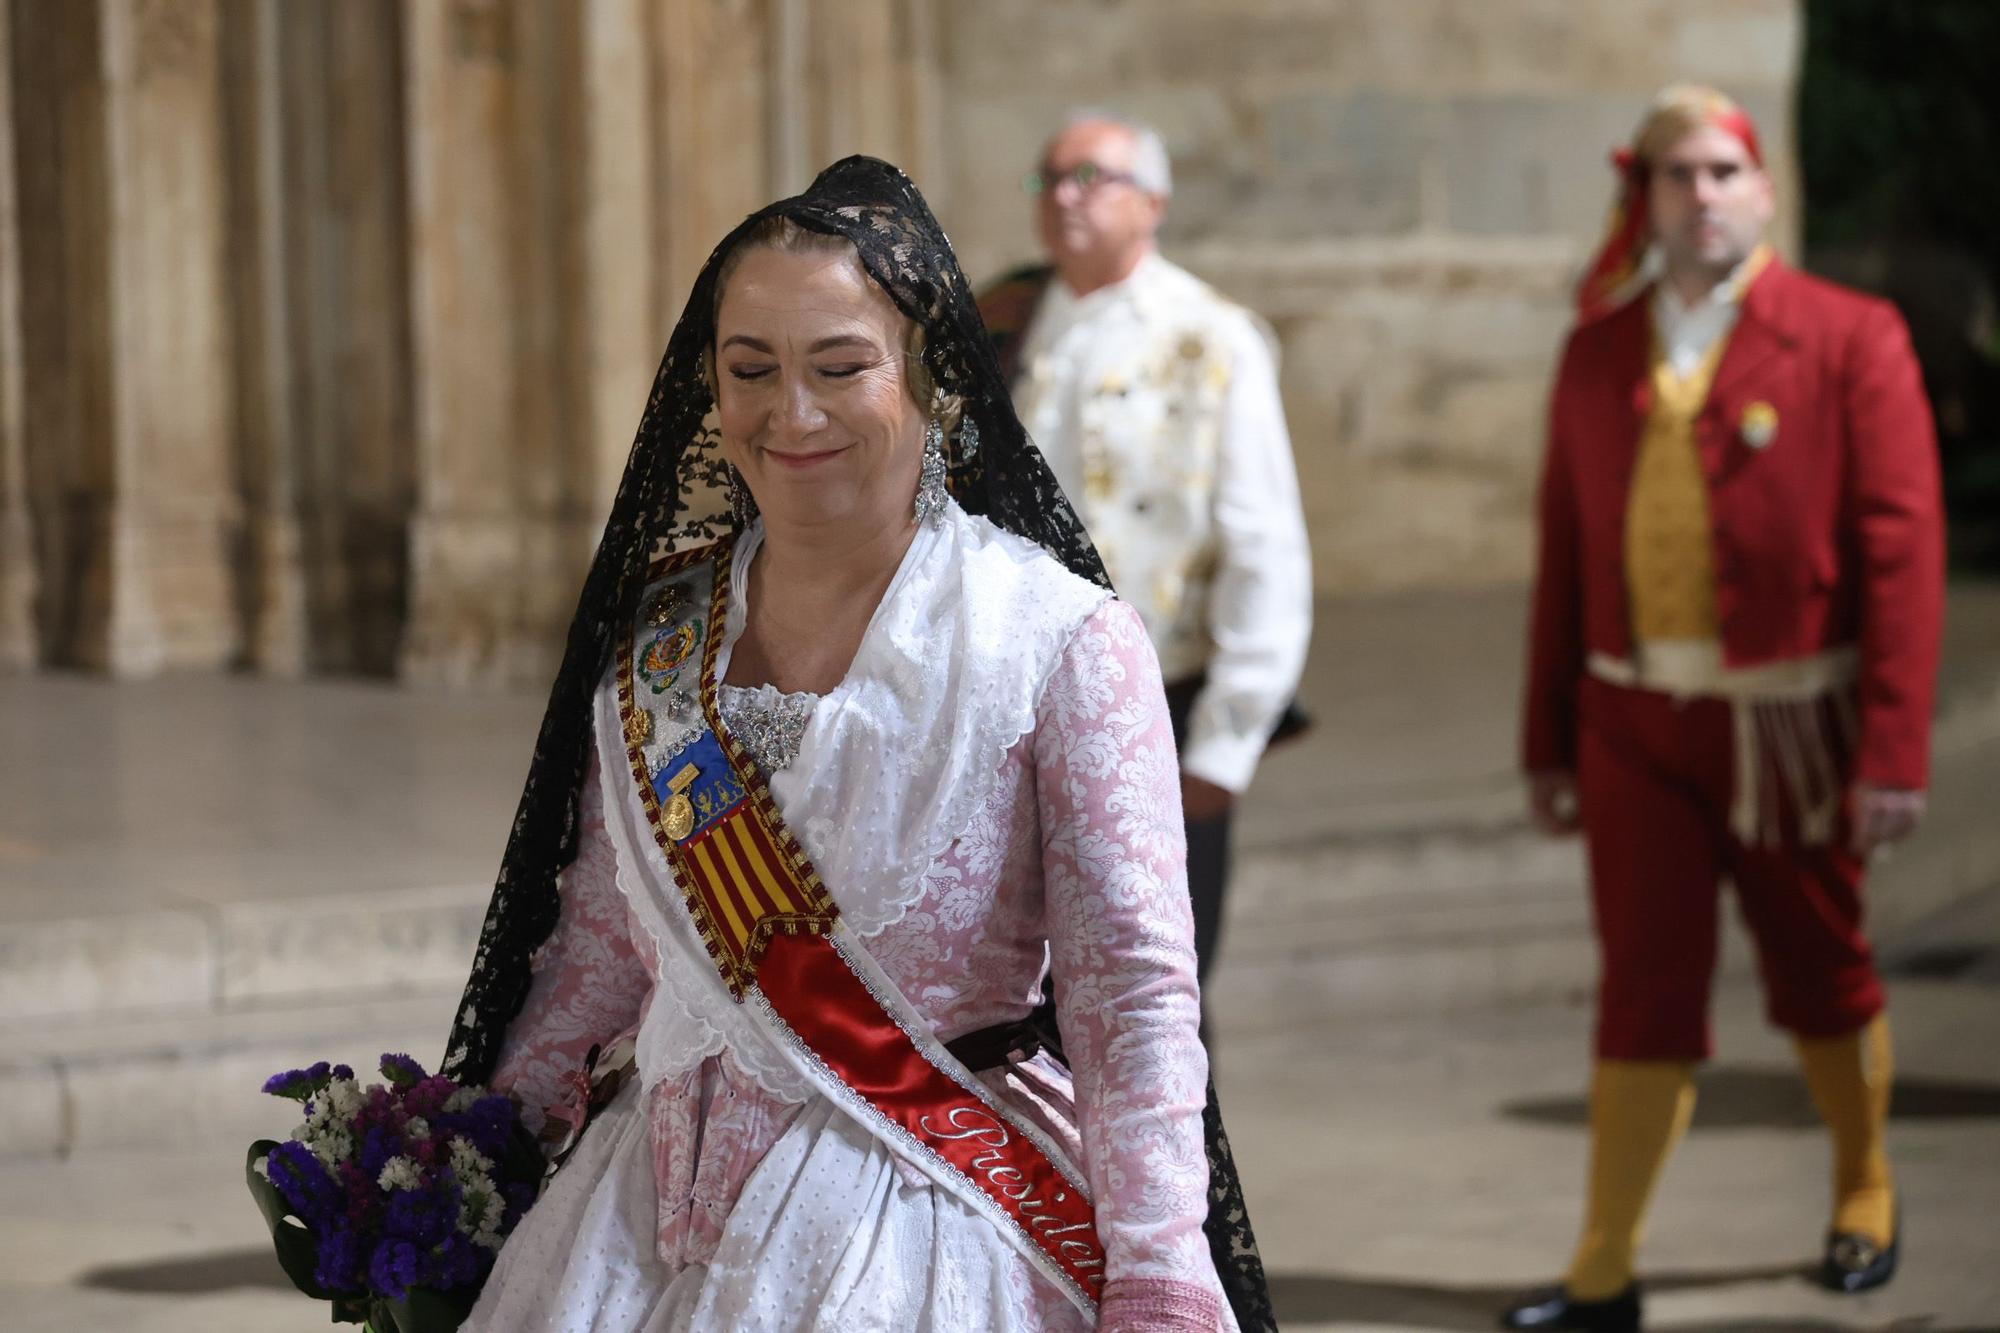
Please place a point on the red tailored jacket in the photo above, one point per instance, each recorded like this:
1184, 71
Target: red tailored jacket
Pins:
1830, 534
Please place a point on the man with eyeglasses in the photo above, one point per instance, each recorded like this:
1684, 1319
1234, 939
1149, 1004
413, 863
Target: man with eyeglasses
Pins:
1156, 403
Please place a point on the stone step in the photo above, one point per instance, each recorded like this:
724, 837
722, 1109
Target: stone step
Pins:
1402, 907
1485, 911
1473, 909
190, 1080
237, 956
252, 955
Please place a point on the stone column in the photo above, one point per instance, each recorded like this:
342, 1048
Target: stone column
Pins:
255, 93
792, 164
128, 395
161, 589
348, 334
463, 539
857, 102
715, 102
619, 290
18, 639
919, 58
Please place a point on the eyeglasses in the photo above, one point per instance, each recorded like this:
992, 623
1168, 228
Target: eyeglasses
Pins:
1086, 176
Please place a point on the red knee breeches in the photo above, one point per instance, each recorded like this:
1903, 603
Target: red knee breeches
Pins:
1655, 779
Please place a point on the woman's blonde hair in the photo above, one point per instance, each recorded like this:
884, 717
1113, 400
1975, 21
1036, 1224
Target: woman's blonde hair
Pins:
782, 234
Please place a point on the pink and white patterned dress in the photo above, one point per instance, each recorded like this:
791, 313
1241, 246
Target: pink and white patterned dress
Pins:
722, 1194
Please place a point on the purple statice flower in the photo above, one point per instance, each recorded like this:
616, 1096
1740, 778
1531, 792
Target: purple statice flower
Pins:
423, 1217
428, 1097
364, 1196
377, 1145
340, 1259
487, 1123
520, 1196
402, 1071
313, 1194
379, 1110
395, 1267
299, 1084
456, 1263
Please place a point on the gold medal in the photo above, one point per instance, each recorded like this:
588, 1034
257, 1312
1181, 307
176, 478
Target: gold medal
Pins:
679, 818
679, 814
639, 727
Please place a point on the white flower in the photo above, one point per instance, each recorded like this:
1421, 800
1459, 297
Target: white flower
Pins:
262, 1166
417, 1128
481, 1213
400, 1173
342, 1098
461, 1099
332, 1146
469, 1164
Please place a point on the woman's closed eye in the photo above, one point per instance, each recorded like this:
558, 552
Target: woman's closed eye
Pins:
746, 370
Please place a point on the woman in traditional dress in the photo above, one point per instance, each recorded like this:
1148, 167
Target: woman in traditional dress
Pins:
834, 773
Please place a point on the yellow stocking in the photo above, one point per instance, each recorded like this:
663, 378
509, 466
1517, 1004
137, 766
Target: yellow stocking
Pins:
1850, 1078
1638, 1111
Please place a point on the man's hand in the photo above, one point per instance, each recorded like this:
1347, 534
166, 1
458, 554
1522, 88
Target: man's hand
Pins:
1552, 802
1202, 799
1883, 815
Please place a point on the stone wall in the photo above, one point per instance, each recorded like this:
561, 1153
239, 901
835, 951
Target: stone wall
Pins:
324, 324
1405, 188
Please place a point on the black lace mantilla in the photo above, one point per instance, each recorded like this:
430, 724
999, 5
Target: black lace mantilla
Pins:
672, 497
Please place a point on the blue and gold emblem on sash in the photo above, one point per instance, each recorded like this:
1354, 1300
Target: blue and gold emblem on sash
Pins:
696, 787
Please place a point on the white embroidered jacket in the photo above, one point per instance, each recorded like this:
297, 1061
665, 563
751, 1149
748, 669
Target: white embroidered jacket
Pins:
1156, 402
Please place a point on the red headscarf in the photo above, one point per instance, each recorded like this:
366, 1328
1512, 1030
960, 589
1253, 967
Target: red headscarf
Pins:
1625, 237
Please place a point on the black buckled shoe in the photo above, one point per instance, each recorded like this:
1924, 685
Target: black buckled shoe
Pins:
1555, 1308
1854, 1262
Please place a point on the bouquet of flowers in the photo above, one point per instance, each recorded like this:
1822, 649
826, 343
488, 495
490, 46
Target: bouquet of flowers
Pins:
391, 1201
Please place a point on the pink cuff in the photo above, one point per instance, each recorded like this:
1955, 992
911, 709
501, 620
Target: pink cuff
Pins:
1157, 1305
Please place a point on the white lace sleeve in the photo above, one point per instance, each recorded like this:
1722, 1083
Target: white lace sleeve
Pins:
590, 984
1121, 936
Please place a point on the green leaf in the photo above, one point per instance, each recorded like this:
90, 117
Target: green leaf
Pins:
297, 1254
523, 1159
427, 1311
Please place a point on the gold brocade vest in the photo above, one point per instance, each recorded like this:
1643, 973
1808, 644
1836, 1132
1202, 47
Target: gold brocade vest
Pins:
1669, 548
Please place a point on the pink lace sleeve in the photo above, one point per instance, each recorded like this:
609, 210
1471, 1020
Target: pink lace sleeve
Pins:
590, 984
1121, 936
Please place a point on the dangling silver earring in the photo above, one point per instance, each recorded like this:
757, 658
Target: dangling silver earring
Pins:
930, 480
742, 504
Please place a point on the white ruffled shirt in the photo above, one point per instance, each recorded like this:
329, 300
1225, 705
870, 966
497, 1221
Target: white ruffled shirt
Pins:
1156, 402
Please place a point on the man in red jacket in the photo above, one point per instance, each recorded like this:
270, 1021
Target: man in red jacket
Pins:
1731, 668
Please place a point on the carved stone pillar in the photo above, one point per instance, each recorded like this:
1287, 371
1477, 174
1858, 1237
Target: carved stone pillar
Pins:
619, 294
123, 242
496, 545
713, 103
18, 639
161, 586
463, 541
348, 332
255, 93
